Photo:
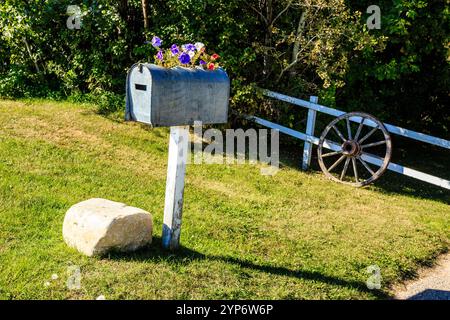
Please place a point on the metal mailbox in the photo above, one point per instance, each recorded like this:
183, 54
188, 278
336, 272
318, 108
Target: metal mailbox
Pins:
178, 96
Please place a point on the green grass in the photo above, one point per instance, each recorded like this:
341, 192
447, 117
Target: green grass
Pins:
295, 235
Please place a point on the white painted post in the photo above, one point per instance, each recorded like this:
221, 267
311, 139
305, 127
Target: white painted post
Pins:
173, 208
310, 127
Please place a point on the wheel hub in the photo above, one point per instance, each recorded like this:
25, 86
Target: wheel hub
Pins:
351, 148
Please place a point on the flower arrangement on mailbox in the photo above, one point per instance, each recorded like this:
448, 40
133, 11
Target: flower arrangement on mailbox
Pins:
183, 86
188, 55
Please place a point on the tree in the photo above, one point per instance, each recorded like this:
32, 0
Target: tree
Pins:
308, 44
145, 13
408, 82
299, 47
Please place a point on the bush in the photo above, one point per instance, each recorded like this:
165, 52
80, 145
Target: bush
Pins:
316, 47
106, 102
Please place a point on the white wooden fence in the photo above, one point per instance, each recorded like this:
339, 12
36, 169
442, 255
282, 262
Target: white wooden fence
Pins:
309, 138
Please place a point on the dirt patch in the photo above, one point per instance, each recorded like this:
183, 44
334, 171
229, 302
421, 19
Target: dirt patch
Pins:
431, 284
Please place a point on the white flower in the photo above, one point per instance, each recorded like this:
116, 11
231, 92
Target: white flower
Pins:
47, 284
102, 297
54, 276
199, 46
191, 54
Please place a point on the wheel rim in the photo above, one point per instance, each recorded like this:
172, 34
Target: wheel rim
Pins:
353, 146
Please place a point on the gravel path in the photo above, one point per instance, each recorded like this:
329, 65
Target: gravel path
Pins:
431, 284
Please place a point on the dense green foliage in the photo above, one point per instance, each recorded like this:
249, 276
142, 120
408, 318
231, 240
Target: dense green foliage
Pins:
409, 81
300, 47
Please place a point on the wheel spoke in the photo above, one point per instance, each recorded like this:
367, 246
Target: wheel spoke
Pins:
351, 147
379, 143
339, 133
366, 166
344, 171
361, 125
355, 170
336, 163
331, 154
368, 135
349, 129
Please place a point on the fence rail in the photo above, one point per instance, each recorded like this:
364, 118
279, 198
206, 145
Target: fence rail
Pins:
309, 138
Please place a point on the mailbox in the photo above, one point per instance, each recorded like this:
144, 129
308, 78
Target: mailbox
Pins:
164, 97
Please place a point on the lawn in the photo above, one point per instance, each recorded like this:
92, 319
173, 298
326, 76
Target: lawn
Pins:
294, 235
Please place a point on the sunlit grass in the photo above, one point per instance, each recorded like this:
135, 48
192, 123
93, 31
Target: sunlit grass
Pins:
295, 235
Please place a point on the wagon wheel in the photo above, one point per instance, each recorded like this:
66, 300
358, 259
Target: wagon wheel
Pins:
370, 136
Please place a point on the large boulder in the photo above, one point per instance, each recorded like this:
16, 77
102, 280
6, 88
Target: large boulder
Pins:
97, 226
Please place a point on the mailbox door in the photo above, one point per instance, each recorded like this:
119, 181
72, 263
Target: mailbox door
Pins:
140, 83
181, 96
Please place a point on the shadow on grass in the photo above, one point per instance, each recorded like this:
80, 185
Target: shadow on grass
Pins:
389, 183
185, 256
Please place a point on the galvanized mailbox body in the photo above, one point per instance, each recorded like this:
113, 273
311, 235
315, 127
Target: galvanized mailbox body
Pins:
179, 96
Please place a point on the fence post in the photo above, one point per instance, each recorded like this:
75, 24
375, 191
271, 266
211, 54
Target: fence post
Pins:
310, 126
176, 169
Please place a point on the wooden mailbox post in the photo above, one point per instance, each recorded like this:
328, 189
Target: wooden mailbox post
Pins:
176, 98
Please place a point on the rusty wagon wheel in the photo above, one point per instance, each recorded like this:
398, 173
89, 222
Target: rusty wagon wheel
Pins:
370, 136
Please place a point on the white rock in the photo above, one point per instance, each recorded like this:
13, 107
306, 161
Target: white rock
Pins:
97, 226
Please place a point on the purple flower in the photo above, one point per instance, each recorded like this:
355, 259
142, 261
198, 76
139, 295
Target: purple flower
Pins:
174, 49
184, 58
160, 55
202, 62
189, 47
156, 42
